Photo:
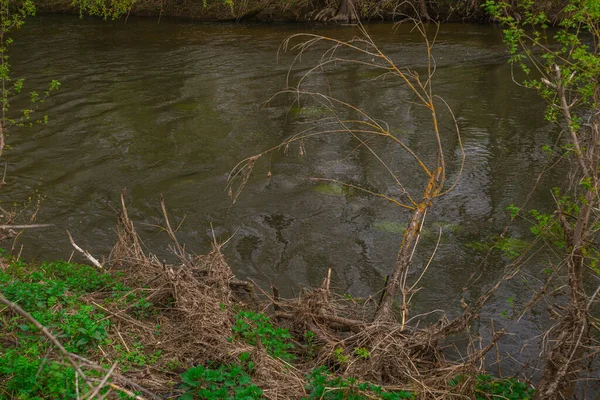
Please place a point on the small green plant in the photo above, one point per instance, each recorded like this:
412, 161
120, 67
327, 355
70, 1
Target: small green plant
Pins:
173, 365
309, 337
510, 302
136, 356
362, 353
512, 247
489, 388
339, 355
513, 210
547, 226
143, 308
86, 328
250, 327
325, 386
221, 382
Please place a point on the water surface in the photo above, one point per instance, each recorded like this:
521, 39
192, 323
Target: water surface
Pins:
170, 109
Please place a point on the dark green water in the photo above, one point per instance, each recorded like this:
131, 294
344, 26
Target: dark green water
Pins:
170, 109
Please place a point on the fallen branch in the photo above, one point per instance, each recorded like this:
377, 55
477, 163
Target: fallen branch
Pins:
127, 392
118, 377
85, 253
7, 227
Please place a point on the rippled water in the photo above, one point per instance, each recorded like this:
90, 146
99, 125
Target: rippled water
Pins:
170, 109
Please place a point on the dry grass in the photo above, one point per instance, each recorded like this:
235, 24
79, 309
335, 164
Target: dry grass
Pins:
198, 299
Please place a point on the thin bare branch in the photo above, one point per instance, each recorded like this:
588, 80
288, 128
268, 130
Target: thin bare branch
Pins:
85, 253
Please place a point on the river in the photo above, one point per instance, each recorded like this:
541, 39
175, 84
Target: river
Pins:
171, 108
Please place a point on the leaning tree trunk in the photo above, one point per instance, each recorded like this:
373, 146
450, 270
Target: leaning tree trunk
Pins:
346, 12
423, 14
409, 240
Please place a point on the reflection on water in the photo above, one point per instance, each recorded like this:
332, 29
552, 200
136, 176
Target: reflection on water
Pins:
171, 108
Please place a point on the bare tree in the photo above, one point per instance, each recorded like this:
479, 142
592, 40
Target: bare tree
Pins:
362, 128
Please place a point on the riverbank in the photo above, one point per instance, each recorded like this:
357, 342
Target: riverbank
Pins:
214, 109
139, 328
302, 10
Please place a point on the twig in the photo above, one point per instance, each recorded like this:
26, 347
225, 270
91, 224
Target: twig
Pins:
44, 361
497, 352
102, 382
179, 249
124, 318
127, 392
77, 386
3, 182
123, 341
85, 253
127, 381
26, 226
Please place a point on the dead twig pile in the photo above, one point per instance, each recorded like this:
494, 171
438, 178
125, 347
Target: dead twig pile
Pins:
197, 298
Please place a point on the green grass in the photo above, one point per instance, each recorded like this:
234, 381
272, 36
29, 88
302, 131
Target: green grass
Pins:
51, 294
54, 294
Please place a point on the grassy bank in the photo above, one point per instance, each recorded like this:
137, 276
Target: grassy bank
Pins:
98, 316
143, 329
